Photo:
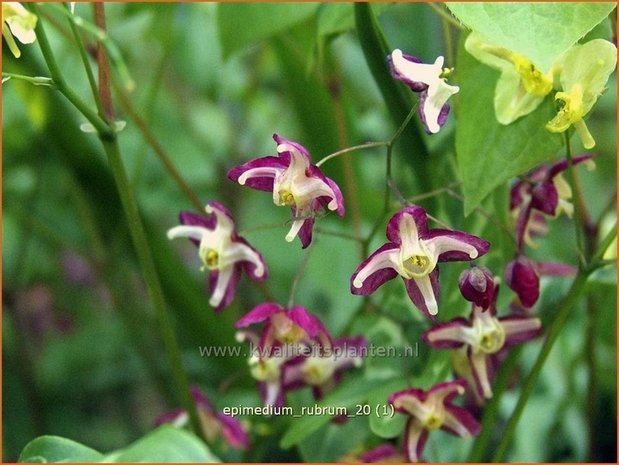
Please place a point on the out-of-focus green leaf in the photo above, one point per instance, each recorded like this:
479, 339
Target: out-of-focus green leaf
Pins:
382, 422
165, 444
489, 153
57, 449
528, 27
242, 24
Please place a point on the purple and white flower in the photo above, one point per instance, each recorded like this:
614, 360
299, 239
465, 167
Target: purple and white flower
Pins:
323, 371
282, 326
413, 252
484, 335
477, 286
545, 191
295, 182
431, 410
214, 424
222, 251
429, 81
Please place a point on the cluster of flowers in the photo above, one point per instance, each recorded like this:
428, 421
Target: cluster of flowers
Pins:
413, 251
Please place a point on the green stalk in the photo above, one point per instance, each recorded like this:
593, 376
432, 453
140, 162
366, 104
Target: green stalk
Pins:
578, 286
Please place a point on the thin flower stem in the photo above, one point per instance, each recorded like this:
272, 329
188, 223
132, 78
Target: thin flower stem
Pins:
104, 129
580, 245
327, 232
598, 258
354, 148
161, 153
36, 80
407, 120
85, 61
446, 16
297, 277
140, 241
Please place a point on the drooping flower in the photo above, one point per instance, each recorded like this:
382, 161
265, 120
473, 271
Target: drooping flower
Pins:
222, 251
477, 286
214, 424
522, 86
429, 80
585, 69
323, 370
413, 252
484, 335
282, 326
18, 22
544, 190
294, 182
431, 410
522, 277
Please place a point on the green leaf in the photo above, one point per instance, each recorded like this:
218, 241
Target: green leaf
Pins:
165, 444
489, 153
57, 449
242, 24
351, 392
540, 31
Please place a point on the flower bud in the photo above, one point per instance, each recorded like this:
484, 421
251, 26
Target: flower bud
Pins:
521, 275
477, 286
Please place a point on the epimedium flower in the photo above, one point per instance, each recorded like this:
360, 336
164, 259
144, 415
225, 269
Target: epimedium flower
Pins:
222, 251
431, 410
429, 80
413, 252
295, 182
282, 326
214, 424
323, 370
17, 22
477, 285
522, 277
521, 87
544, 190
584, 71
484, 335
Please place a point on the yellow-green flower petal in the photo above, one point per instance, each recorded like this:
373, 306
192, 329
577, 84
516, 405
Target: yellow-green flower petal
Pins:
20, 23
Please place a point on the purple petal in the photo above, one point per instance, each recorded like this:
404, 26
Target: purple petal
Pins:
305, 233
521, 225
250, 267
448, 389
442, 116
415, 437
418, 394
477, 286
517, 194
230, 288
285, 156
445, 335
556, 269
416, 296
415, 86
258, 314
218, 206
169, 417
545, 197
201, 401
314, 171
563, 164
376, 279
191, 219
465, 419
233, 432
480, 245
262, 183
308, 322
521, 276
419, 217
380, 453
519, 329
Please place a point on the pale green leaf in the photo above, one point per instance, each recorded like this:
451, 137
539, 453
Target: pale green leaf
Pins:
243, 24
540, 31
489, 153
57, 449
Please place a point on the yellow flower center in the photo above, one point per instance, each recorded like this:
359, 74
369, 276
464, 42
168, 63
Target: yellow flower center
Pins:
286, 198
210, 258
570, 110
265, 370
317, 371
418, 265
434, 421
533, 80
